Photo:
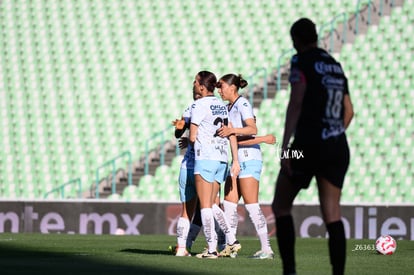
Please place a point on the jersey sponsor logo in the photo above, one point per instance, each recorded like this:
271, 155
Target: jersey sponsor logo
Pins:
324, 68
334, 128
218, 110
333, 82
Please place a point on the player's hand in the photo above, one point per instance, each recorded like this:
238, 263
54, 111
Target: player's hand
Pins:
270, 139
179, 124
183, 143
224, 131
235, 169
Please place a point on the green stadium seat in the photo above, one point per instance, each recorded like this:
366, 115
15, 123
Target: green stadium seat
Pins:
94, 70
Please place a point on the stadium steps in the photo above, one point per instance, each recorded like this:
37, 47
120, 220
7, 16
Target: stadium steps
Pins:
365, 17
334, 42
76, 55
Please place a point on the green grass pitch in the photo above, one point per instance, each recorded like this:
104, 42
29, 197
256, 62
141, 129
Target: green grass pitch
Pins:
148, 254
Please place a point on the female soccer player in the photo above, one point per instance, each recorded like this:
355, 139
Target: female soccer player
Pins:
318, 113
186, 231
247, 183
208, 114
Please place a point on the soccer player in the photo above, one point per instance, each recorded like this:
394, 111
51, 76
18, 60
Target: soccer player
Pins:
208, 114
318, 113
186, 231
246, 185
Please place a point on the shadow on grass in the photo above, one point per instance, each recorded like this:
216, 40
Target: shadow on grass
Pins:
16, 261
146, 251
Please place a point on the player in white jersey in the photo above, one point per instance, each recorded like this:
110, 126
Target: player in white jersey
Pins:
250, 158
189, 223
208, 114
186, 231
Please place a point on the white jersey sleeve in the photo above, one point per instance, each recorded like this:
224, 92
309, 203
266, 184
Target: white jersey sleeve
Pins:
187, 113
188, 160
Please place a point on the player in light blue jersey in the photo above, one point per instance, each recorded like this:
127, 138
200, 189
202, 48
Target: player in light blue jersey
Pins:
250, 157
208, 114
186, 231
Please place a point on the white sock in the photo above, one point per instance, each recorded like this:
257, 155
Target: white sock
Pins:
221, 237
183, 227
259, 221
192, 234
230, 210
223, 223
207, 219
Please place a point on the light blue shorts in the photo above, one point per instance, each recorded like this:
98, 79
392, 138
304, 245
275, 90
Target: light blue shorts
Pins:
211, 170
251, 168
186, 184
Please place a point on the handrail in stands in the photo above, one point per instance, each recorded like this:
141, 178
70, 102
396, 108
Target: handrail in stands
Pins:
112, 162
279, 66
332, 29
162, 154
251, 86
357, 14
61, 188
370, 6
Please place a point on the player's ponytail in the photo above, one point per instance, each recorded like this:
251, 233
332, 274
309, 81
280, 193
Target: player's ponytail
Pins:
242, 82
236, 80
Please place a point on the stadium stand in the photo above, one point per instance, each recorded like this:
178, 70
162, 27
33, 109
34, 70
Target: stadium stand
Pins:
83, 81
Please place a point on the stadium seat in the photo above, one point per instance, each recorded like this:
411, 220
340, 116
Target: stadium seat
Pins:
79, 80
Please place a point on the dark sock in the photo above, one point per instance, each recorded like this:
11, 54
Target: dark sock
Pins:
285, 233
337, 246
197, 216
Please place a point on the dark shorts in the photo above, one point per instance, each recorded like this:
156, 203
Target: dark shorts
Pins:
329, 159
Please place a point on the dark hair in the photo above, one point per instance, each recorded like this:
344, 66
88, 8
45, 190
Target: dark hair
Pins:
208, 80
236, 80
304, 30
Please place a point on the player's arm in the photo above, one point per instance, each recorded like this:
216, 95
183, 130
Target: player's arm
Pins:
193, 132
235, 167
348, 110
293, 111
252, 140
249, 129
180, 127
